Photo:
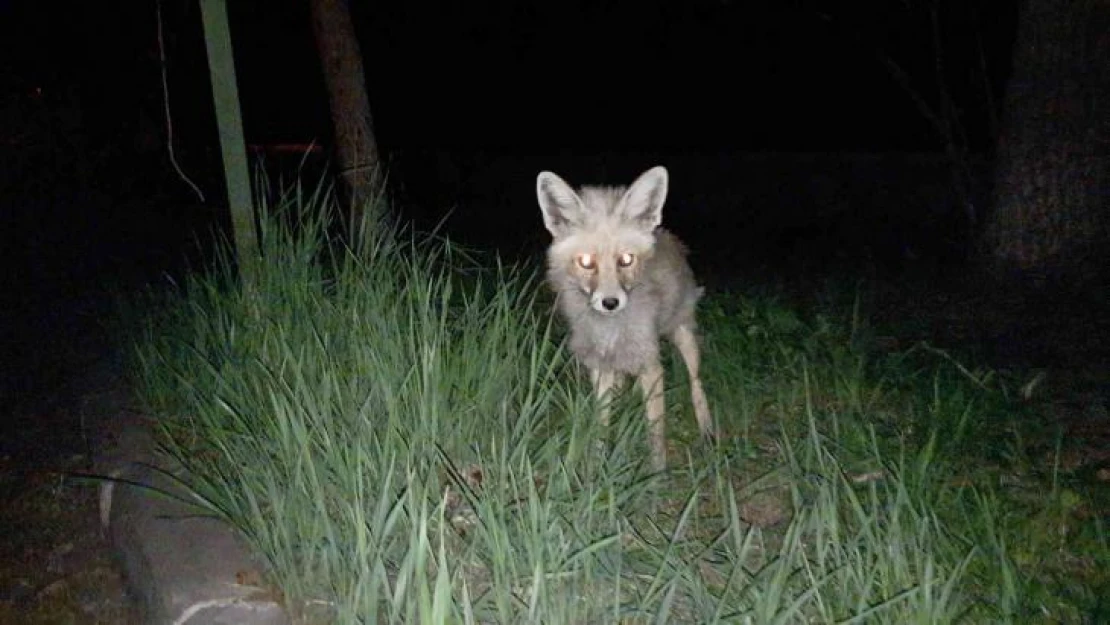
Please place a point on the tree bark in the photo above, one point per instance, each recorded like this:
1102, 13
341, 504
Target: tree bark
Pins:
1049, 219
356, 149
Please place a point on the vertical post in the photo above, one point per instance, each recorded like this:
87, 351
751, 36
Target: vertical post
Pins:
225, 96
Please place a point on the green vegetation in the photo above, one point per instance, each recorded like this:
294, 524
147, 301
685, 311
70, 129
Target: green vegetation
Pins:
399, 433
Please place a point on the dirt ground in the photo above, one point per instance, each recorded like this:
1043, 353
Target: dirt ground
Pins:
55, 564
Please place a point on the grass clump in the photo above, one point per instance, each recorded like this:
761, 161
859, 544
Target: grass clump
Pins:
397, 431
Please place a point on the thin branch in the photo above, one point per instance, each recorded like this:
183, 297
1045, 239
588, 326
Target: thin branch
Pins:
166, 104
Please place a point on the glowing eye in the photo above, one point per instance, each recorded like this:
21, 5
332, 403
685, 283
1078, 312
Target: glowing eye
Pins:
626, 260
586, 261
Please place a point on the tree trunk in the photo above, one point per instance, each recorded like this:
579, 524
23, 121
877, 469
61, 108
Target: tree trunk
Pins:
1049, 220
356, 149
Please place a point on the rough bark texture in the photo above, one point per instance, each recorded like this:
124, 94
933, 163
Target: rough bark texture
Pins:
356, 149
1049, 221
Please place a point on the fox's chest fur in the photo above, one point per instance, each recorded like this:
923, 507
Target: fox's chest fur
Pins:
625, 342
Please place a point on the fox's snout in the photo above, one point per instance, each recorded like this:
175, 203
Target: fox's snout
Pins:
608, 303
606, 284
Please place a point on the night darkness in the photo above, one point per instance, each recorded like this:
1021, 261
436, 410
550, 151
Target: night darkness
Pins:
782, 122
468, 104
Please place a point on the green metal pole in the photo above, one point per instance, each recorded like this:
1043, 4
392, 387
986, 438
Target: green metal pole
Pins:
225, 94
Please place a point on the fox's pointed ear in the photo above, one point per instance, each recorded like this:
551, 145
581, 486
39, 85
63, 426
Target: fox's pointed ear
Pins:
562, 208
642, 203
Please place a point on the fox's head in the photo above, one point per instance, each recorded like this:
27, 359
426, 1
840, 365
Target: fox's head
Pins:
603, 235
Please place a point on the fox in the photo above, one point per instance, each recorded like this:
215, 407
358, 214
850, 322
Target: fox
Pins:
621, 282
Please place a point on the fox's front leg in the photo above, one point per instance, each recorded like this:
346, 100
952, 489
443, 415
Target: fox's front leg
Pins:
687, 344
651, 383
603, 382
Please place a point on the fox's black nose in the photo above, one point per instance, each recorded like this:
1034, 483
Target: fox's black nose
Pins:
610, 303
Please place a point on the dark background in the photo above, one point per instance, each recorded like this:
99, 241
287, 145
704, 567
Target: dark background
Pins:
792, 146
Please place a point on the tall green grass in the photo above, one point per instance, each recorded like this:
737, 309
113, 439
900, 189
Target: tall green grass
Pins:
398, 433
